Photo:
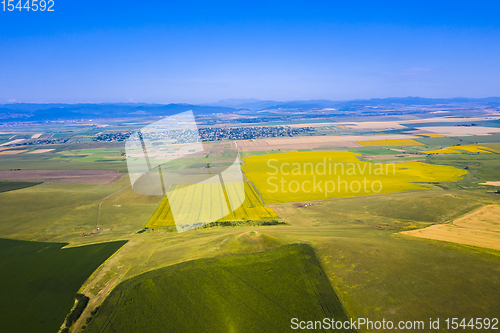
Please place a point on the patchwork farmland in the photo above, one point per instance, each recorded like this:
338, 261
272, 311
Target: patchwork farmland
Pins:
356, 237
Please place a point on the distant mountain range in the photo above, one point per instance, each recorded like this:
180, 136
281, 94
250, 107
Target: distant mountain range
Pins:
256, 105
43, 112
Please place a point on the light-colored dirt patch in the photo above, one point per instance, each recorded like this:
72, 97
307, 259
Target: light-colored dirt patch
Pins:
376, 125
96, 177
398, 124
314, 124
36, 136
389, 143
311, 142
13, 142
40, 151
365, 125
423, 133
491, 183
334, 138
479, 228
12, 152
446, 120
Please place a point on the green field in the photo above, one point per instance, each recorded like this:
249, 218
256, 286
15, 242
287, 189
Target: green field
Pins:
62, 212
379, 273
246, 293
371, 151
481, 167
40, 282
78, 156
11, 186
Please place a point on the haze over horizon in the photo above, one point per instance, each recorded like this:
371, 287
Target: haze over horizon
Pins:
197, 52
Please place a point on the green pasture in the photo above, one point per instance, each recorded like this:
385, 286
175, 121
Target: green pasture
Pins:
6, 186
65, 160
371, 151
40, 282
247, 293
52, 212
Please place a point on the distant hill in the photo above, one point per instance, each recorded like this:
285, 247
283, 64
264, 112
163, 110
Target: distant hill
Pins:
255, 105
248, 104
55, 111
42, 112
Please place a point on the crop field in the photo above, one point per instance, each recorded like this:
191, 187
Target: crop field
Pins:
40, 282
439, 142
62, 212
318, 142
61, 158
12, 151
213, 198
476, 149
102, 177
434, 135
245, 293
90, 155
440, 151
370, 151
320, 175
480, 167
460, 130
390, 143
479, 228
491, 183
462, 149
40, 151
11, 186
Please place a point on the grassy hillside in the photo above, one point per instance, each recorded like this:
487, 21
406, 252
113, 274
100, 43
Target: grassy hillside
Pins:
40, 281
259, 292
379, 273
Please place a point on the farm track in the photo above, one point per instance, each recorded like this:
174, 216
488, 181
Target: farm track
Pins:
96, 300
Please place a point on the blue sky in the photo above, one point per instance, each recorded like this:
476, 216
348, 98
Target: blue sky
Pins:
195, 52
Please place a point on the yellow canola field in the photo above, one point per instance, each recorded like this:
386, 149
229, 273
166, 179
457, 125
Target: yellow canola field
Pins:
300, 176
390, 143
475, 149
188, 205
433, 135
461, 149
